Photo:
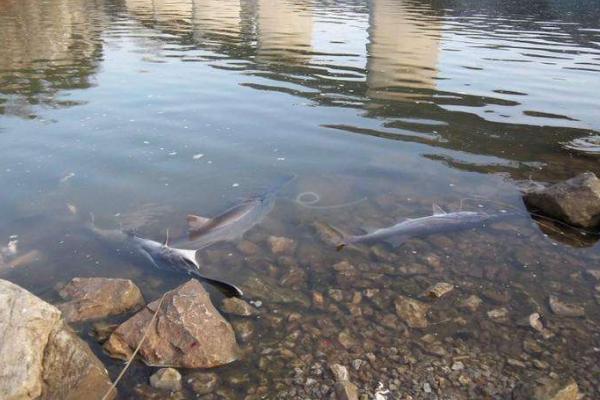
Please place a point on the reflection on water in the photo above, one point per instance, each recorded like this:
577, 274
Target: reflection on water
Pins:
152, 109
46, 48
404, 48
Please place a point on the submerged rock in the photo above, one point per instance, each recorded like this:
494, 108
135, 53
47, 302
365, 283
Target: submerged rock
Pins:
411, 311
237, 306
344, 389
438, 290
498, 314
94, 298
41, 357
563, 309
269, 290
188, 332
575, 201
471, 303
281, 245
166, 379
203, 382
549, 389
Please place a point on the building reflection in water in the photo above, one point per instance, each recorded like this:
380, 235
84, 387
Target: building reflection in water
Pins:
403, 51
46, 47
285, 31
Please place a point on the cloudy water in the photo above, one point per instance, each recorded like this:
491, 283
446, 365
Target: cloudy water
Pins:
141, 112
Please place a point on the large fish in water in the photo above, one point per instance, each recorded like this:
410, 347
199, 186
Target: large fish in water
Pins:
234, 222
439, 222
160, 255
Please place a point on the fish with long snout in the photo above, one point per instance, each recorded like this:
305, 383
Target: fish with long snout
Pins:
160, 255
440, 221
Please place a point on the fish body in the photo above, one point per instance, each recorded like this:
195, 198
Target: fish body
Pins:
439, 222
235, 221
159, 255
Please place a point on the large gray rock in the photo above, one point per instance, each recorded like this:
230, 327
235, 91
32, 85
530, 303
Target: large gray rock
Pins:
575, 201
93, 298
188, 332
41, 357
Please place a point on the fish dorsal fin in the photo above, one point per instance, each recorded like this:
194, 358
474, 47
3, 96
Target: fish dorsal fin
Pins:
196, 222
437, 210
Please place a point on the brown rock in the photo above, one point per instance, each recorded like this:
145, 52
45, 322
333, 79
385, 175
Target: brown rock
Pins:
411, 311
40, 356
549, 389
203, 382
438, 290
166, 379
243, 329
281, 245
471, 303
237, 306
345, 390
498, 314
248, 248
94, 298
575, 201
188, 332
563, 309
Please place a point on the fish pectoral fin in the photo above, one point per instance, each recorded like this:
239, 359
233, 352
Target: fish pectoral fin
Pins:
196, 222
437, 210
396, 241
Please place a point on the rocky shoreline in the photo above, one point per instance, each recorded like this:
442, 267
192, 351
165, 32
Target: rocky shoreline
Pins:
439, 319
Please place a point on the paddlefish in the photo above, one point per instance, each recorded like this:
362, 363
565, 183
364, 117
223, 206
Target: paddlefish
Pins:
233, 223
439, 222
160, 255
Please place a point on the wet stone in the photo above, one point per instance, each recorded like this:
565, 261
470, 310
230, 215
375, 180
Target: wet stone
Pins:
94, 298
346, 339
594, 274
101, 331
203, 382
548, 389
496, 296
344, 389
531, 346
575, 201
248, 248
471, 303
237, 306
244, 330
498, 314
411, 311
166, 379
438, 290
281, 245
563, 309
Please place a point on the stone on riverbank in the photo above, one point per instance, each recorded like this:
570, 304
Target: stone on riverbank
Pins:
188, 332
41, 357
575, 201
94, 298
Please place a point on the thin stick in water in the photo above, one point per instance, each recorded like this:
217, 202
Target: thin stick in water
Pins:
116, 382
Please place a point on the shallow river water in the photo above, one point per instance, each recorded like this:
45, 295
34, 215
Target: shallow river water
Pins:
142, 111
